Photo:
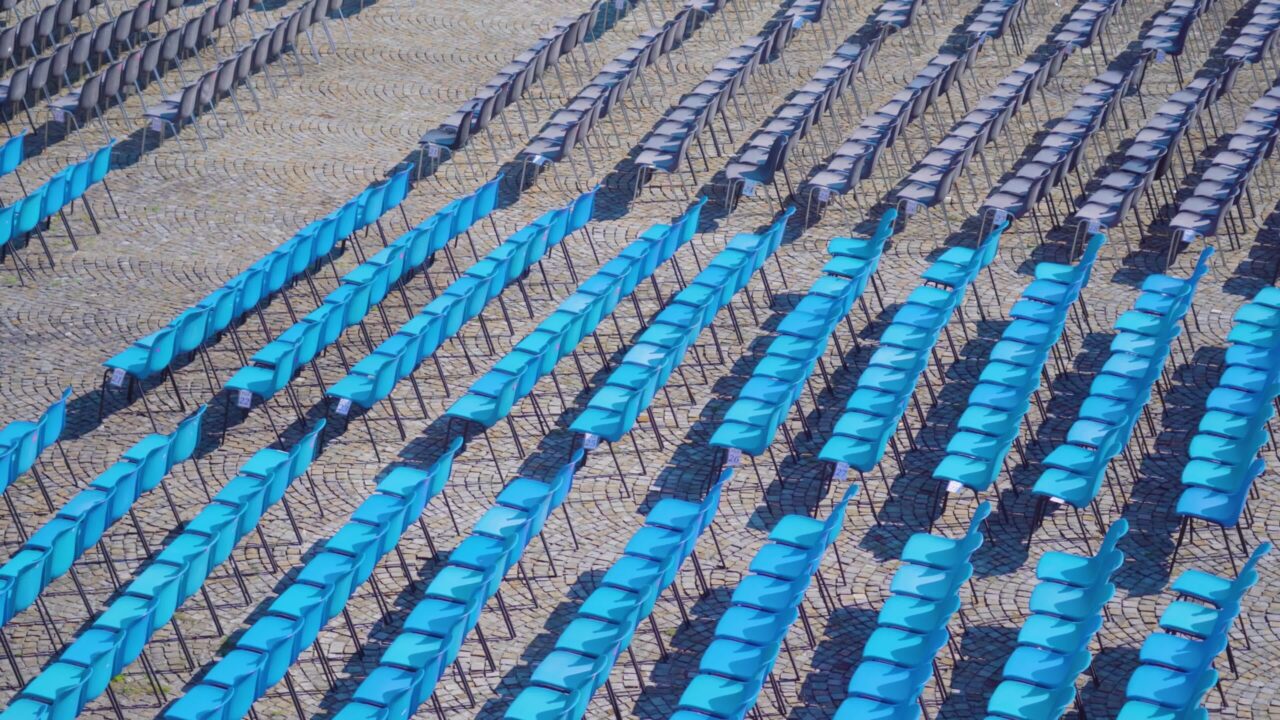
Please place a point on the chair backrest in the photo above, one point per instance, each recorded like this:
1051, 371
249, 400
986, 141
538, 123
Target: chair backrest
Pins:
54, 420
29, 212
102, 162
111, 79
186, 437
187, 103
123, 25
973, 536
161, 352
1117, 531
40, 73
191, 330
226, 77
11, 153
831, 526
1248, 574
304, 451
55, 194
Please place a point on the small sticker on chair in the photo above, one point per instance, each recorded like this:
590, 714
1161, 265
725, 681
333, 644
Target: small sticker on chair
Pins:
244, 399
1188, 236
953, 486
620, 5
797, 22
749, 188
590, 441
824, 194
841, 472
1094, 225
344, 406
1057, 500
734, 458
912, 207
59, 115
539, 160
117, 377
1000, 216
157, 125
1161, 56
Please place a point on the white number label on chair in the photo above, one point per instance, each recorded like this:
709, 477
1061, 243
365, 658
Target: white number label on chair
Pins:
824, 194
1188, 236
1094, 225
841, 472
749, 188
58, 115
912, 207
157, 126
953, 486
1000, 216
1161, 56
734, 458
433, 150
117, 377
539, 160
1057, 500
590, 441
244, 399
344, 406
797, 22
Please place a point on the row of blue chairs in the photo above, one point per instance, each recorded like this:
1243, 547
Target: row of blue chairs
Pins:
911, 628
764, 402
373, 378
235, 299
750, 633
357, 293
563, 682
491, 397
84, 519
1074, 470
997, 406
27, 215
117, 635
1224, 452
614, 407
432, 635
261, 656
1054, 644
885, 387
1176, 667
22, 442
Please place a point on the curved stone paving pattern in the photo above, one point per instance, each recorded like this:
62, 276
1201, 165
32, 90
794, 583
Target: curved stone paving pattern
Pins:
346, 121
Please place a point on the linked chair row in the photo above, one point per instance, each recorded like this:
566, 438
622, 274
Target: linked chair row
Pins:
262, 654
118, 635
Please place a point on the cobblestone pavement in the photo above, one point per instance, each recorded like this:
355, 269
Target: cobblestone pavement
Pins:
347, 120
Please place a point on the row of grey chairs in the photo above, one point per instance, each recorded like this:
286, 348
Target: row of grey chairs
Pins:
89, 49
188, 104
572, 125
135, 70
514, 81
33, 33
